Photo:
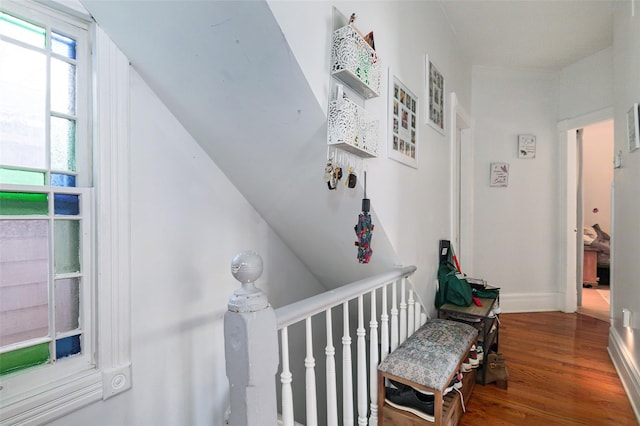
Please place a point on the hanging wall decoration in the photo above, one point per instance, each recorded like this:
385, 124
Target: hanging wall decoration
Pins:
364, 229
403, 123
499, 174
434, 84
633, 128
526, 146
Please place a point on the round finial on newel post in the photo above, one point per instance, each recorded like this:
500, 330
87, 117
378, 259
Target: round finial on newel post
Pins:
246, 267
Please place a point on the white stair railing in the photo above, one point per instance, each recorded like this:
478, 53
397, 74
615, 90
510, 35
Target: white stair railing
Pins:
310, 364
373, 362
384, 328
347, 370
403, 314
361, 366
394, 318
384, 336
388, 327
332, 396
285, 379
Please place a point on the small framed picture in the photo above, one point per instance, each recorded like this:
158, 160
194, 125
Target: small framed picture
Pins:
434, 87
633, 128
526, 146
499, 174
403, 119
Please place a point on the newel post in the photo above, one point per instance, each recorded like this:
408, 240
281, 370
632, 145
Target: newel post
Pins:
251, 347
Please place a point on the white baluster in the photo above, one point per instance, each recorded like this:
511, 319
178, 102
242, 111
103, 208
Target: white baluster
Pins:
347, 370
310, 364
332, 397
394, 316
384, 327
286, 379
410, 315
362, 365
403, 312
373, 362
418, 316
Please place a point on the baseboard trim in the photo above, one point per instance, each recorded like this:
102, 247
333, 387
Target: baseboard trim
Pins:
530, 302
620, 339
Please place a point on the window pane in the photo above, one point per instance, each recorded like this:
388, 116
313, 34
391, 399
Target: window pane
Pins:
67, 304
23, 358
58, 179
24, 268
63, 45
23, 203
68, 346
66, 246
63, 144
63, 87
21, 177
22, 107
67, 204
22, 30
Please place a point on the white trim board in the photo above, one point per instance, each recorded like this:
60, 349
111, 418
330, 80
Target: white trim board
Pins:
621, 355
461, 203
530, 302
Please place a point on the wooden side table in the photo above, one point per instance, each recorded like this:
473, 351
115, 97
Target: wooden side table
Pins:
590, 268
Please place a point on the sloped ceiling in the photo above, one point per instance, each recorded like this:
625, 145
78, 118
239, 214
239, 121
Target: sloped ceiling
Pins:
226, 72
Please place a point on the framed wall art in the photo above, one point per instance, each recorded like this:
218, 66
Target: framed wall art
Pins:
633, 128
499, 175
526, 146
403, 123
434, 86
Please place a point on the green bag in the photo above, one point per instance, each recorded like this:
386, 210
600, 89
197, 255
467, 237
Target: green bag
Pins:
452, 288
486, 293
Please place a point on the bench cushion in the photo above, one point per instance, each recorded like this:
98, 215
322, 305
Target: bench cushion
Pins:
430, 356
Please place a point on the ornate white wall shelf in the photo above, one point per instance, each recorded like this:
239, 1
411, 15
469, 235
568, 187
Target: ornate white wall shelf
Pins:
355, 63
350, 128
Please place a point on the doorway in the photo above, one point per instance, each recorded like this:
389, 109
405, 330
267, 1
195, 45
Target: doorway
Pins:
595, 175
570, 252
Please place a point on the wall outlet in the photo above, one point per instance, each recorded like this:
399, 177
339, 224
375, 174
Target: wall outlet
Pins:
227, 415
617, 160
626, 317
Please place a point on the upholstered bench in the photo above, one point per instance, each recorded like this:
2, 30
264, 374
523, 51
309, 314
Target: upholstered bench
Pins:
428, 361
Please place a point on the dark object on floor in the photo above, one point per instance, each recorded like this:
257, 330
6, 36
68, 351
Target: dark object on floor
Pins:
603, 275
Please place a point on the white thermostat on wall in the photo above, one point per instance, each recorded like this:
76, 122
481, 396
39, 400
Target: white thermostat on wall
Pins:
526, 146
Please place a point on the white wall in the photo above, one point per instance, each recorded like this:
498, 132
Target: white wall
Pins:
515, 226
625, 288
188, 222
586, 86
626, 245
597, 161
412, 205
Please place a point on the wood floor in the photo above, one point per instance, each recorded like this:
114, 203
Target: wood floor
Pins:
594, 303
559, 374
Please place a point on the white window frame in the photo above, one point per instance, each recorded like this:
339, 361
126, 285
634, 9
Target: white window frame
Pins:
111, 313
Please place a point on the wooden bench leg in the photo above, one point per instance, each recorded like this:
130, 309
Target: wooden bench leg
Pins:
437, 409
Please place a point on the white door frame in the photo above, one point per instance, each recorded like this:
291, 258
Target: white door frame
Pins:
461, 191
568, 204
